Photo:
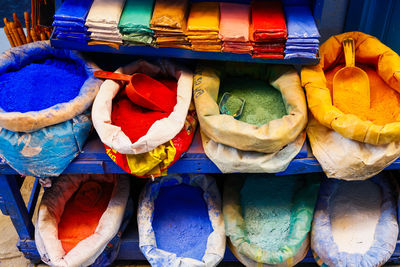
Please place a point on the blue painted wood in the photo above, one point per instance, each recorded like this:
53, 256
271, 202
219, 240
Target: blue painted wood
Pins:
33, 198
15, 206
175, 53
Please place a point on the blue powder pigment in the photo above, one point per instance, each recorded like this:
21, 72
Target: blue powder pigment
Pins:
181, 223
266, 208
40, 85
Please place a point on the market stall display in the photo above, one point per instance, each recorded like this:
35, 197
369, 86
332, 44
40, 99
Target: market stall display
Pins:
193, 234
355, 223
80, 218
268, 219
146, 142
33, 109
360, 143
264, 138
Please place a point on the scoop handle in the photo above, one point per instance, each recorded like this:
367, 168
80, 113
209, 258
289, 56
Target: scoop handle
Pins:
112, 75
349, 52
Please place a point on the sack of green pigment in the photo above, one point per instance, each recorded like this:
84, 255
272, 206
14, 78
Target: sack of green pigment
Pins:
180, 222
355, 223
81, 219
141, 141
41, 86
270, 131
45, 152
268, 218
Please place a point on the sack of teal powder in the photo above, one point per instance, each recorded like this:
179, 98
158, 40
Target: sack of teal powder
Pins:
355, 222
180, 221
81, 219
270, 130
41, 86
45, 152
268, 218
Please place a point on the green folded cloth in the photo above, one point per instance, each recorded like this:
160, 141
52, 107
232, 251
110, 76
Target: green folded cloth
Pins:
139, 38
137, 14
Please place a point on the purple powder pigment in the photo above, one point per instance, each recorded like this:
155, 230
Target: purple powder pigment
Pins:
40, 85
180, 222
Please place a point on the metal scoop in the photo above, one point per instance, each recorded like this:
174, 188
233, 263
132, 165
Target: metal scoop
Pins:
351, 89
143, 90
231, 105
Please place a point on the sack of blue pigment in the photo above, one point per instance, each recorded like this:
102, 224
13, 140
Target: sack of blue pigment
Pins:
45, 152
252, 118
268, 218
81, 219
180, 221
41, 86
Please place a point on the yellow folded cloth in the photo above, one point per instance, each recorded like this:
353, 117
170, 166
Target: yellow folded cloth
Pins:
204, 16
169, 14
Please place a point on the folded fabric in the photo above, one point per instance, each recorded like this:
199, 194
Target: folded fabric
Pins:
173, 45
101, 26
106, 37
67, 23
169, 14
72, 38
268, 21
204, 16
136, 14
235, 21
301, 55
307, 46
206, 36
72, 29
105, 11
103, 31
268, 55
300, 22
111, 44
57, 32
73, 10
302, 41
293, 51
138, 38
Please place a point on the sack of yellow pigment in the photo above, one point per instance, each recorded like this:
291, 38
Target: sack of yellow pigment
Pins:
359, 143
270, 130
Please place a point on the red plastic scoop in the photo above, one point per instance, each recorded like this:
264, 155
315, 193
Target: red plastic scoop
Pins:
143, 90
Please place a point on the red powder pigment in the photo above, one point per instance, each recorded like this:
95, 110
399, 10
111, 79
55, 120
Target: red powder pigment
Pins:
82, 213
134, 120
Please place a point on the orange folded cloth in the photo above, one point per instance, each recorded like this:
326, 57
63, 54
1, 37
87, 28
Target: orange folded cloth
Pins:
169, 14
204, 16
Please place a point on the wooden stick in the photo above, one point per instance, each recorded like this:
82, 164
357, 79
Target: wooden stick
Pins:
28, 27
47, 32
34, 36
42, 36
7, 24
16, 20
10, 40
15, 32
21, 35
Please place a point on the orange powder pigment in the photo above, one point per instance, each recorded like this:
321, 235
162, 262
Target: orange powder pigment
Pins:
385, 101
82, 213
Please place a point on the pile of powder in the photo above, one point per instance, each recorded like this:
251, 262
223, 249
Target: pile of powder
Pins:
263, 102
355, 209
82, 213
266, 207
180, 222
134, 120
385, 101
40, 85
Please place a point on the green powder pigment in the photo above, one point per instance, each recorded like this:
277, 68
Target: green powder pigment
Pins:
263, 102
266, 209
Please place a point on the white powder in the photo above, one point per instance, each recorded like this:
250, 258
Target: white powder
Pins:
355, 209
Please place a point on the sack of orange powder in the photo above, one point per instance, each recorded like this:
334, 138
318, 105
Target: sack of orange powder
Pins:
145, 142
357, 144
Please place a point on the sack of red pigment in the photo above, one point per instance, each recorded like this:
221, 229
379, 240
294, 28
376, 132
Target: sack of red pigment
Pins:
180, 222
45, 152
81, 219
41, 86
141, 141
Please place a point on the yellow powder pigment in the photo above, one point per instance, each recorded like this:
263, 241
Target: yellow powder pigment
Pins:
385, 101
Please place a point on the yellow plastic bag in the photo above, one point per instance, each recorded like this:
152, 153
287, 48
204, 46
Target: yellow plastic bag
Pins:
369, 50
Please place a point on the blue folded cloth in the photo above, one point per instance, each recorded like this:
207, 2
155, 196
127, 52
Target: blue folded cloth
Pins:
302, 47
301, 55
302, 41
295, 51
73, 10
72, 34
300, 22
66, 23
72, 38
72, 29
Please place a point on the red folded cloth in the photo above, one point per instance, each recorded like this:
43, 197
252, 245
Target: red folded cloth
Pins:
268, 21
268, 55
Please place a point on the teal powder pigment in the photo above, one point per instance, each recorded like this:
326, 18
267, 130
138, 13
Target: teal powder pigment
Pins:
180, 222
40, 85
263, 102
266, 209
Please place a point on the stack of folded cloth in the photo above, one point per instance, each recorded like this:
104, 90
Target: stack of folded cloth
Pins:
69, 21
103, 19
234, 27
169, 23
203, 27
268, 29
303, 35
134, 24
